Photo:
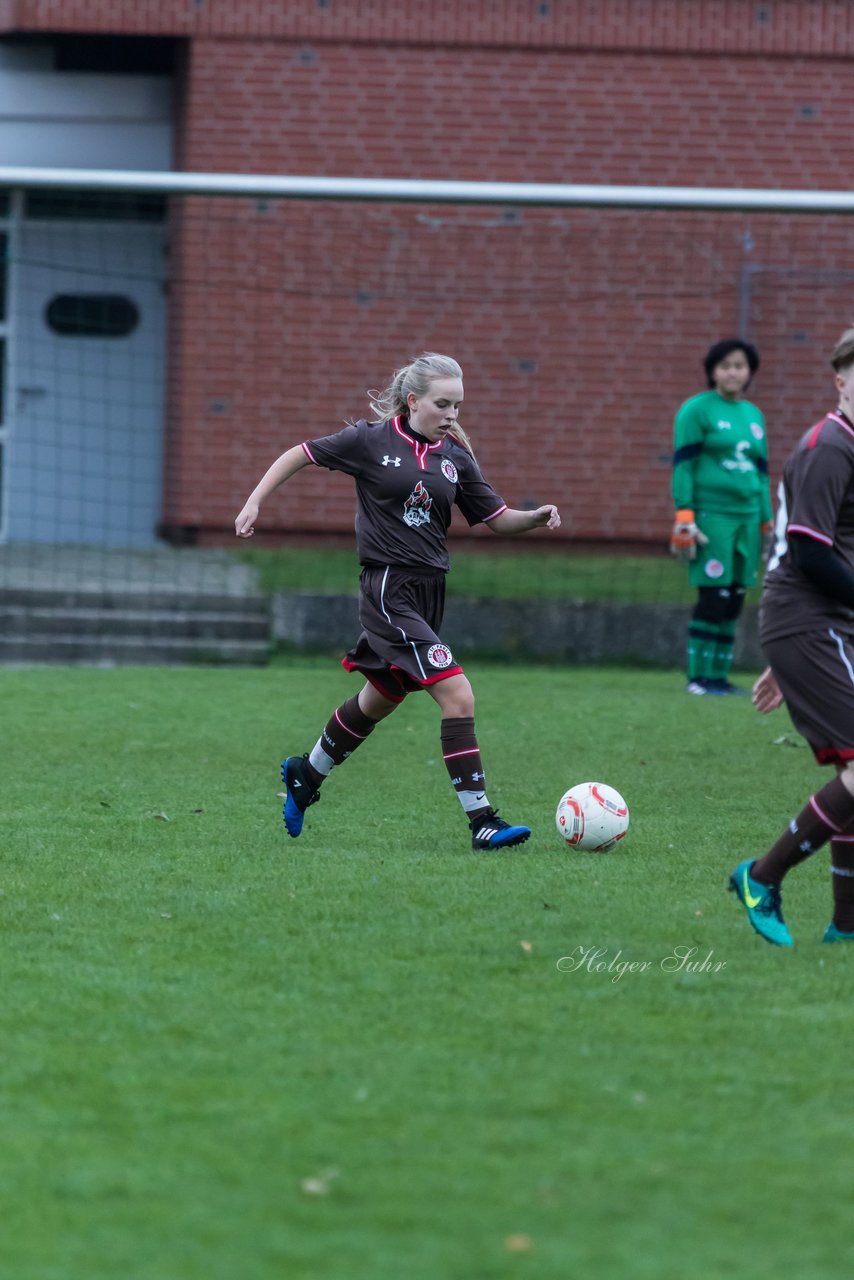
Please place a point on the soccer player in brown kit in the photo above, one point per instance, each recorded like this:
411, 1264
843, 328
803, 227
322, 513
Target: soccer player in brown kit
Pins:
410, 466
807, 631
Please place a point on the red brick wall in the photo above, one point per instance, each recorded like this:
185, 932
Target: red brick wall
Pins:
579, 332
802, 27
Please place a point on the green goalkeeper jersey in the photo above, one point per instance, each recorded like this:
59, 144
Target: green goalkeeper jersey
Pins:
720, 457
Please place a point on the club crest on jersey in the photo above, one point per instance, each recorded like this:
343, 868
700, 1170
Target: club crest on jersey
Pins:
416, 508
449, 471
756, 430
439, 656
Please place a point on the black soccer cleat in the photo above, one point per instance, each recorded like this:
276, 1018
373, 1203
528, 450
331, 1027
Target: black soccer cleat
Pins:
299, 793
488, 831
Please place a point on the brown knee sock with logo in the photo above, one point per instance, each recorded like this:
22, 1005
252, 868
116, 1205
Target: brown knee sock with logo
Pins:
829, 812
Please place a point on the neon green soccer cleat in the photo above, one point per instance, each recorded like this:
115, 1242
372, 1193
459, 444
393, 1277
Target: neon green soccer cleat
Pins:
762, 903
832, 934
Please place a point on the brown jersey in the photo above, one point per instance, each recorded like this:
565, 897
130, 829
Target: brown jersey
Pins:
817, 501
406, 488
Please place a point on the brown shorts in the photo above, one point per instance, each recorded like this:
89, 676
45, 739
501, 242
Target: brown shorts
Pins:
815, 672
399, 650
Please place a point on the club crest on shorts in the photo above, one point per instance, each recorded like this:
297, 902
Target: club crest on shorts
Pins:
439, 656
416, 508
449, 471
713, 569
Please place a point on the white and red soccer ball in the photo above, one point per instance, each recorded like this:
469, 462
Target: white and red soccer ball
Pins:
592, 816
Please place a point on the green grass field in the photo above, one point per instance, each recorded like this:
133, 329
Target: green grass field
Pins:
521, 571
354, 1056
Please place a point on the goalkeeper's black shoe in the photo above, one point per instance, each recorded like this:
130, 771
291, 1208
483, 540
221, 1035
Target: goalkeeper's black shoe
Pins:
726, 687
299, 793
488, 831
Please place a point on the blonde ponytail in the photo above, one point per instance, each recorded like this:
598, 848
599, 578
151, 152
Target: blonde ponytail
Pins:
415, 378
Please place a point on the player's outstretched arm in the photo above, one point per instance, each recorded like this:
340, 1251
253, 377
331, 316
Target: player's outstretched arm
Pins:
282, 469
511, 522
766, 692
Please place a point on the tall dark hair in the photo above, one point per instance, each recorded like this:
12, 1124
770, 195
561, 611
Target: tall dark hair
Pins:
725, 348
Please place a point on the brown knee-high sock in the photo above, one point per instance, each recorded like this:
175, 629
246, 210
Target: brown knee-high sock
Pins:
347, 729
829, 812
842, 879
462, 760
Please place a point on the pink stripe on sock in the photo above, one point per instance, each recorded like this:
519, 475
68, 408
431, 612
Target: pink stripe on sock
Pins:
827, 822
347, 728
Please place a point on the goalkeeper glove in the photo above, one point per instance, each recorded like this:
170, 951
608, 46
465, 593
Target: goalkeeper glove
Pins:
686, 537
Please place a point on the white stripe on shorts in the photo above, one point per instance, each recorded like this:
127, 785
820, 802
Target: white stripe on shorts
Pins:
411, 643
840, 644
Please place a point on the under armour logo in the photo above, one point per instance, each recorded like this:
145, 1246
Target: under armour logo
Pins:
478, 777
390, 462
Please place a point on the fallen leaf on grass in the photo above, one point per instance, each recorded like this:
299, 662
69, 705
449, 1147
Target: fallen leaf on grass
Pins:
518, 1244
162, 817
785, 741
318, 1186
526, 946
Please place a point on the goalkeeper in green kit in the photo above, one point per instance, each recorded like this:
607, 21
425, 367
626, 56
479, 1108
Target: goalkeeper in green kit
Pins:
723, 524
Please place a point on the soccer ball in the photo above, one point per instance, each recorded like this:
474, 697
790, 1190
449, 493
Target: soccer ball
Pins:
592, 816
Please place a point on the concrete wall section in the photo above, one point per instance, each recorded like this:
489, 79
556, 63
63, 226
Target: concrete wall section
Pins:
576, 633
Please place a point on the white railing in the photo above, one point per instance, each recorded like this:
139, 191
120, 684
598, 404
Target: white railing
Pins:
426, 191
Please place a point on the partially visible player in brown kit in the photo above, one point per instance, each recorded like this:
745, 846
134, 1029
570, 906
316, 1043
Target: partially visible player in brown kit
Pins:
807, 632
411, 466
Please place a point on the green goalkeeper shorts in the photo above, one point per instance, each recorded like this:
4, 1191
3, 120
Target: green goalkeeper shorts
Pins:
731, 554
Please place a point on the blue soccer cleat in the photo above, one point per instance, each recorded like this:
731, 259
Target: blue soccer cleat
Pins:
299, 793
832, 934
488, 831
763, 905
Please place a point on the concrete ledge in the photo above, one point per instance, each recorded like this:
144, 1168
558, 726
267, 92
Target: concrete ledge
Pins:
580, 631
